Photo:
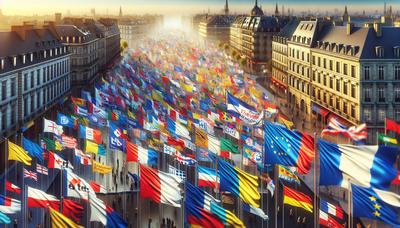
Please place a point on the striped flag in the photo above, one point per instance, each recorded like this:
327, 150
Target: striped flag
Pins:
356, 133
10, 187
184, 160
84, 159
30, 174
41, 169
69, 142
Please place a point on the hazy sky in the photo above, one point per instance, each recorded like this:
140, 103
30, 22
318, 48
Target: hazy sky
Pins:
30, 7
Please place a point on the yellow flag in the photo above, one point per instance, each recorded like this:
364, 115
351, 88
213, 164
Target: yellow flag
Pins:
100, 168
59, 220
17, 153
91, 147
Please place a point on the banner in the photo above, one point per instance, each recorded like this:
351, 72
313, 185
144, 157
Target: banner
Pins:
246, 113
100, 168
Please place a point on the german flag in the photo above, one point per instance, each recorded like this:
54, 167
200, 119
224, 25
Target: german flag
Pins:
297, 199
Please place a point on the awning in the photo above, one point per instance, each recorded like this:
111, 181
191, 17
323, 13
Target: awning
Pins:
320, 110
279, 83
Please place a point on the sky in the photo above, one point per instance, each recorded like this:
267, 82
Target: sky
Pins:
181, 7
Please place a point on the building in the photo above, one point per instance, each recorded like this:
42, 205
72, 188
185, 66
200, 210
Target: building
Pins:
279, 78
251, 36
111, 36
134, 29
34, 74
345, 71
216, 28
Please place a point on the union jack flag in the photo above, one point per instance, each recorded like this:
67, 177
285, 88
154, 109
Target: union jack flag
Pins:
356, 133
30, 174
41, 169
184, 160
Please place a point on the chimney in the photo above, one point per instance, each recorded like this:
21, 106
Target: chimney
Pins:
378, 29
21, 30
349, 28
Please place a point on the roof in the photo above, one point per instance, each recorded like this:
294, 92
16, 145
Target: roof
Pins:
288, 30
74, 31
219, 20
388, 40
258, 23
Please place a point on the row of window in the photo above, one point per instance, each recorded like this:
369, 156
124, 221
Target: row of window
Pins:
346, 69
368, 94
335, 84
381, 73
335, 102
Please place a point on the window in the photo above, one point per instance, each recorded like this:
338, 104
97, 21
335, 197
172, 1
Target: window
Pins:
353, 71
38, 100
324, 63
337, 103
345, 107
32, 103
367, 114
38, 77
23, 59
381, 73
330, 64
345, 88
366, 73
381, 94
331, 100
397, 94
397, 114
331, 82
397, 72
3, 90
13, 115
44, 75
26, 106
14, 61
353, 91
367, 94
345, 69
2, 64
381, 115
32, 79
3, 119
338, 84
25, 82
325, 80
13, 84
338, 67
353, 111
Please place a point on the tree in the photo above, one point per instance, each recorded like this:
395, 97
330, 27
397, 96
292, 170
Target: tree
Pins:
124, 45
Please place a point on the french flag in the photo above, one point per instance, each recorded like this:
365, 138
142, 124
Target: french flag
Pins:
327, 207
207, 177
40, 199
160, 187
101, 212
136, 153
9, 205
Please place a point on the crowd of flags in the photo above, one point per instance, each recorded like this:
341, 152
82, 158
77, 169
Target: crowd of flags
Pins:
196, 108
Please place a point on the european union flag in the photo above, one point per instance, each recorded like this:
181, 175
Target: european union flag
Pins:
286, 147
376, 204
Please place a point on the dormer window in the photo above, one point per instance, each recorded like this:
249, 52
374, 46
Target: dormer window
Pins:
379, 51
65, 49
31, 57
80, 39
73, 39
56, 51
51, 52
23, 59
15, 61
396, 50
67, 39
44, 54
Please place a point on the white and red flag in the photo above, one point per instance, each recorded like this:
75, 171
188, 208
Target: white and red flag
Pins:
52, 127
84, 159
98, 188
56, 162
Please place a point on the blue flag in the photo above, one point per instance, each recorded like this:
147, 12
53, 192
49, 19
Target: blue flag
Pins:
117, 143
33, 149
376, 204
65, 120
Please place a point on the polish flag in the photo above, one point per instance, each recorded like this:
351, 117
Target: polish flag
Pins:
10, 187
160, 187
98, 188
40, 199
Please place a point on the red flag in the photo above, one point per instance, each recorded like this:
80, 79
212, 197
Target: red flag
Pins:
98, 188
392, 125
396, 181
72, 210
10, 187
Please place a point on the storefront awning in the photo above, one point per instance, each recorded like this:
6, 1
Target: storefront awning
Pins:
320, 110
279, 83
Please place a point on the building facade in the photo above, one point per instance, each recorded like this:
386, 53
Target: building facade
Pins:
216, 28
348, 72
34, 75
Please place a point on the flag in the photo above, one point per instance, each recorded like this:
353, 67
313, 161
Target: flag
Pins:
356, 133
209, 142
136, 153
84, 159
365, 165
98, 111
56, 162
69, 142
91, 147
177, 172
117, 143
97, 167
33, 149
207, 177
97, 121
392, 125
270, 108
53, 145
64, 120
285, 121
78, 101
289, 148
9, 205
30, 174
98, 188
39, 199
246, 112
396, 181
239, 183
177, 129
387, 139
78, 110
169, 150
287, 175
17, 153
86, 95
297, 199
184, 160
103, 213
72, 209
10, 187
116, 131
75, 186
231, 130
227, 146
59, 220
255, 211
328, 221
4, 219
90, 133
41, 169
376, 204
332, 209
160, 187
198, 201
52, 127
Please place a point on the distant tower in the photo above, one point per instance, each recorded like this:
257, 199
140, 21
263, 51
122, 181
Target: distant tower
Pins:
390, 14
93, 12
57, 17
384, 8
120, 11
345, 14
276, 10
256, 11
226, 8
283, 10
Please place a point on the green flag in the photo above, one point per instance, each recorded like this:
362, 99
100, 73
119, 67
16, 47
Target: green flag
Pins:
52, 145
228, 145
387, 139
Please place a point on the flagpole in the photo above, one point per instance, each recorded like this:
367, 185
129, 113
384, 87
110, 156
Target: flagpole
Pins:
316, 221
61, 190
349, 204
276, 171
